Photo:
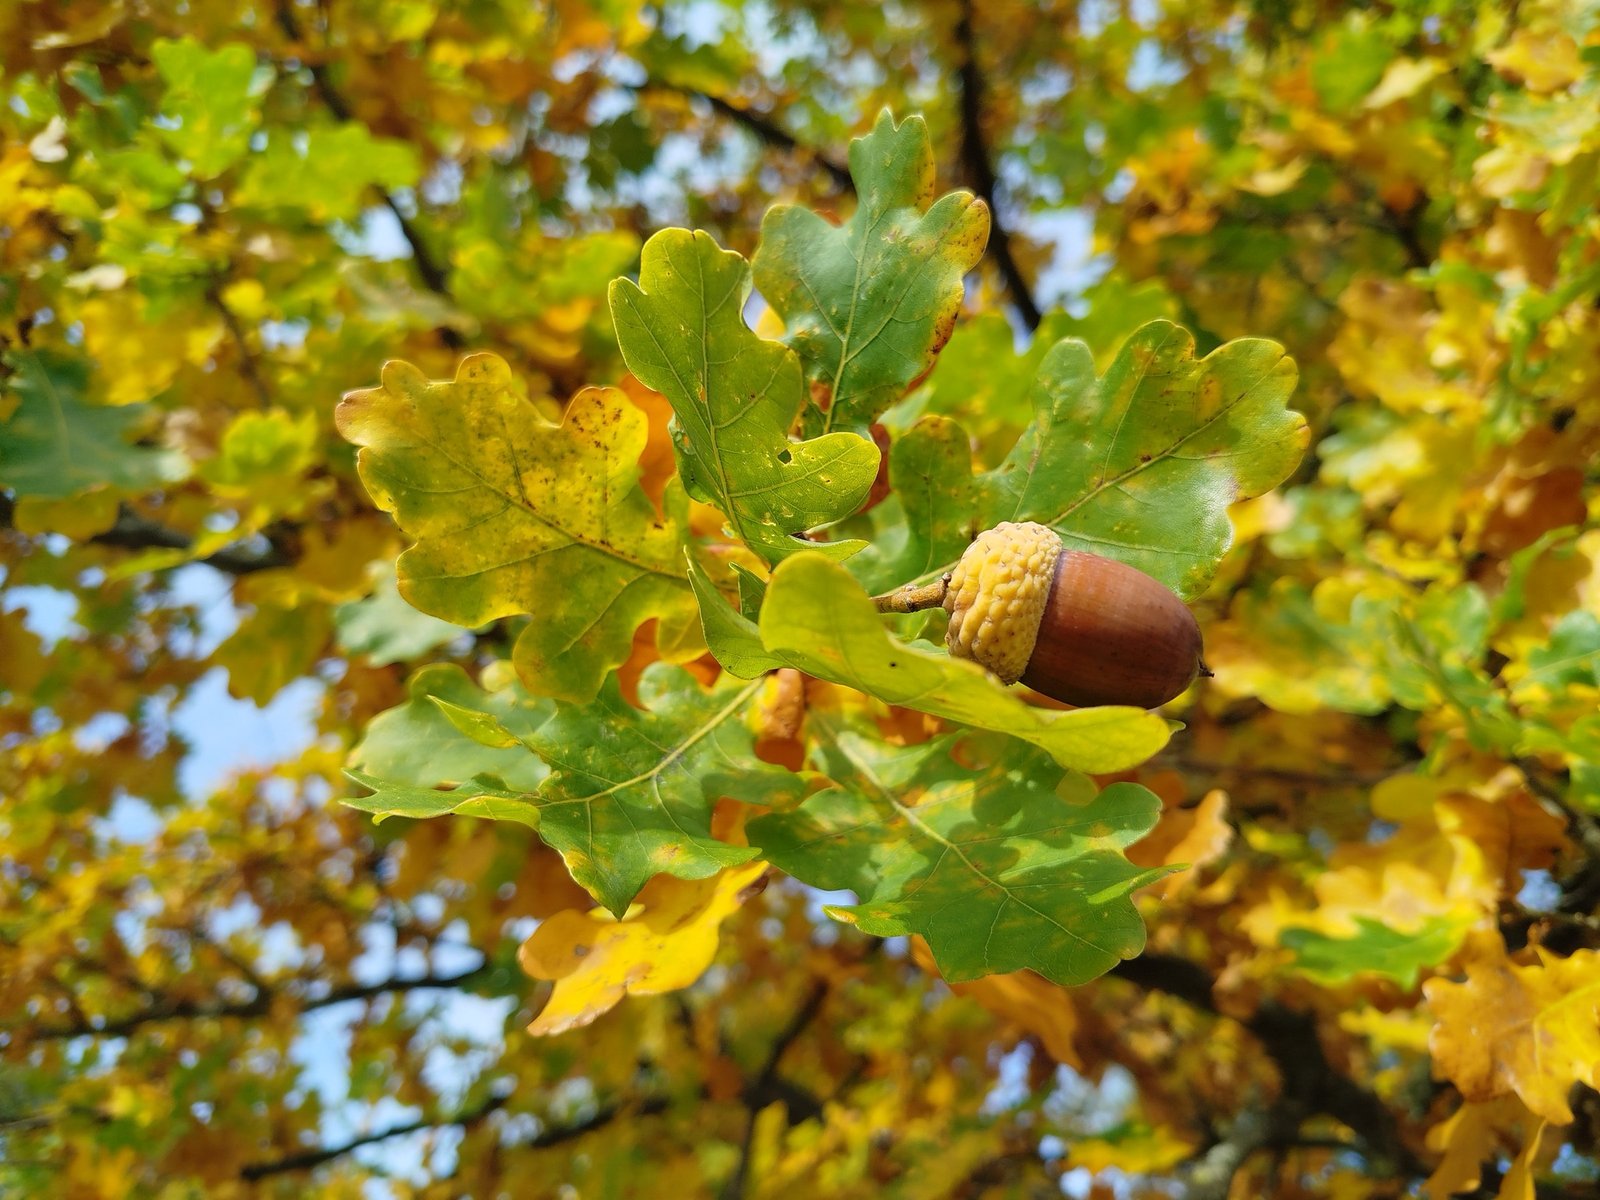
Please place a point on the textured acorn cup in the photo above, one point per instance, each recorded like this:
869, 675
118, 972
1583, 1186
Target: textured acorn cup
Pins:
1077, 627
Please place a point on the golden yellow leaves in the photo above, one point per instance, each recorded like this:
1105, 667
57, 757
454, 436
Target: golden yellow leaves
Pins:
1529, 1030
665, 942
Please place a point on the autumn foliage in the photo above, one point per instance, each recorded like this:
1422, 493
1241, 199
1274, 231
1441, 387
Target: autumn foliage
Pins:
521, 405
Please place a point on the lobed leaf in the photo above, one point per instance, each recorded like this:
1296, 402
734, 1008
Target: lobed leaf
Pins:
1533, 1030
869, 304
417, 744
631, 791
817, 618
1141, 464
1016, 864
621, 793
932, 513
734, 395
55, 444
596, 960
509, 511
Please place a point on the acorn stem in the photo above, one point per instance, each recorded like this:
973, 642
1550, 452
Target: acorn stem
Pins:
913, 597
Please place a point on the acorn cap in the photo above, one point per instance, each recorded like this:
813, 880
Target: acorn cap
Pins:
997, 596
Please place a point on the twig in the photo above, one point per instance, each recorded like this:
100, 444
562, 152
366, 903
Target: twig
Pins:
429, 269
913, 597
308, 1159
764, 128
259, 1005
133, 532
976, 157
249, 367
758, 1093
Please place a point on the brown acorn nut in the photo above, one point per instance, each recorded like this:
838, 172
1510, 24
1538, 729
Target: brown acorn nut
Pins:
1077, 627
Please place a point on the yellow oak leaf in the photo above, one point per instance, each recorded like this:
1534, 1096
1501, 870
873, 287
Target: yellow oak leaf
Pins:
664, 942
1473, 1133
1186, 837
138, 353
79, 517
1530, 1030
1139, 1150
1544, 59
1032, 1002
1519, 1181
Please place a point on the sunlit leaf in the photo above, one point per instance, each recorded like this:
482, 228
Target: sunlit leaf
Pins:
1016, 865
735, 394
1141, 464
507, 510
665, 942
870, 303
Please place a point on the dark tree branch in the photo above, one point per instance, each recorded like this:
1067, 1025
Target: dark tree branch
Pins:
133, 532
308, 1159
1311, 1084
975, 156
764, 1088
765, 128
249, 367
429, 269
260, 1005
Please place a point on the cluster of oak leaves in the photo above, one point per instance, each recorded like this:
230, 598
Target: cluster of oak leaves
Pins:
1436, 563
987, 839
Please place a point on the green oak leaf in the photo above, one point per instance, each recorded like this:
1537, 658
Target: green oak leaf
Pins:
477, 798
1015, 865
1141, 464
1376, 949
869, 304
512, 514
732, 637
985, 380
383, 628
1427, 666
929, 516
325, 171
735, 396
816, 618
55, 444
210, 101
1571, 658
417, 745
632, 790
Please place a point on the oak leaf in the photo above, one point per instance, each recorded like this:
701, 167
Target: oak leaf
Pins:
664, 942
1531, 1030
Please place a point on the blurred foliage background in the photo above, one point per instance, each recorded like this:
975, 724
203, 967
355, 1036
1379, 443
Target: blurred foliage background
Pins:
1381, 976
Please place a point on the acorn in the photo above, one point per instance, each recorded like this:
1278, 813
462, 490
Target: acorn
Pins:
1077, 627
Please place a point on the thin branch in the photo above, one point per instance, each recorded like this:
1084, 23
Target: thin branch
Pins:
764, 128
1210, 1175
133, 532
429, 269
1331, 778
308, 1159
975, 155
758, 1094
249, 366
260, 1005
